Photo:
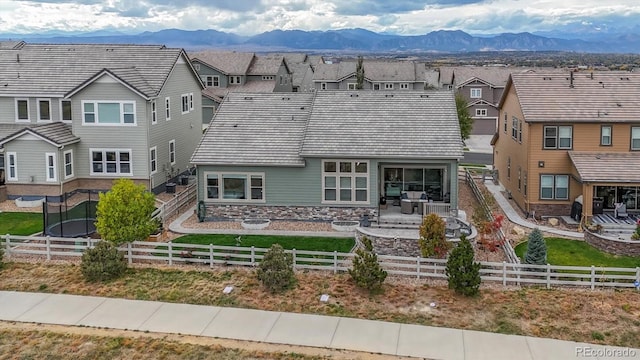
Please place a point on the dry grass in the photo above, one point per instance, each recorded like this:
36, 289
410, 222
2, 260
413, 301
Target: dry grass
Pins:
604, 316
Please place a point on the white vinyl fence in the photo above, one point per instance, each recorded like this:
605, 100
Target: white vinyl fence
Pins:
421, 268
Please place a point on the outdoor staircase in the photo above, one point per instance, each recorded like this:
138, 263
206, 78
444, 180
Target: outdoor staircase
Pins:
397, 224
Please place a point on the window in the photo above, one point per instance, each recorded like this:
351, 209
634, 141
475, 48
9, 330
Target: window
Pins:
212, 80
68, 164
558, 137
12, 166
234, 79
388, 86
153, 159
44, 110
519, 179
404, 86
635, 138
505, 123
110, 162
481, 112
172, 152
267, 77
65, 110
167, 108
514, 128
554, 187
154, 112
196, 67
351, 86
509, 167
476, 93
524, 184
190, 101
323, 86
185, 103
22, 109
605, 135
376, 86
235, 186
345, 181
50, 166
519, 130
108, 113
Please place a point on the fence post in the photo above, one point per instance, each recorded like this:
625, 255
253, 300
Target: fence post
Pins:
504, 273
548, 276
418, 267
293, 252
638, 274
593, 277
48, 242
253, 255
211, 256
170, 251
129, 253
335, 261
7, 239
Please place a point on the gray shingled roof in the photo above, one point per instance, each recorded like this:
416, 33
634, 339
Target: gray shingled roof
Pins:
56, 69
607, 167
228, 62
374, 70
257, 86
265, 65
58, 133
389, 124
599, 96
256, 129
8, 129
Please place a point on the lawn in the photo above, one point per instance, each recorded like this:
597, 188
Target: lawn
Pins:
578, 253
310, 243
20, 223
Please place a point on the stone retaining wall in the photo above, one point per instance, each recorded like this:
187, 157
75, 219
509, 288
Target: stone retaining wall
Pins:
390, 245
305, 213
613, 246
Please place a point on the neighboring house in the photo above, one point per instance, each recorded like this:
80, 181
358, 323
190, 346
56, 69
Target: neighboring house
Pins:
224, 72
378, 75
567, 135
79, 116
301, 66
326, 155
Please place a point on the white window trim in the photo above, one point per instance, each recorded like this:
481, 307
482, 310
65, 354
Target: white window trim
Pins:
388, 86
554, 187
216, 79
104, 173
632, 138
481, 112
376, 86
220, 176
557, 137
28, 119
353, 174
323, 86
47, 156
184, 104
7, 165
351, 86
154, 112
64, 157
190, 101
97, 116
153, 160
167, 108
172, 153
404, 86
38, 111
62, 111
475, 93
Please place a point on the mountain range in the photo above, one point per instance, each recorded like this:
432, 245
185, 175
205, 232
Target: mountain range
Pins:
359, 40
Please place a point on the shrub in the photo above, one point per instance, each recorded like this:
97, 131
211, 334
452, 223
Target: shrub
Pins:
276, 269
536, 249
433, 241
103, 262
462, 272
366, 271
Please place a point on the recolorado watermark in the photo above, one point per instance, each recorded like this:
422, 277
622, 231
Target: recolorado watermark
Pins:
617, 353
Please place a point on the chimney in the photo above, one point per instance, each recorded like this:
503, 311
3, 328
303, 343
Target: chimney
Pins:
571, 79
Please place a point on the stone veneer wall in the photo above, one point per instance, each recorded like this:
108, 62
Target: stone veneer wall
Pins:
613, 246
551, 209
390, 246
303, 213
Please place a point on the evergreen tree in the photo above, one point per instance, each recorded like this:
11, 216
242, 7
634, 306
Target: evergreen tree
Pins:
366, 271
536, 249
433, 241
462, 272
465, 120
276, 269
359, 74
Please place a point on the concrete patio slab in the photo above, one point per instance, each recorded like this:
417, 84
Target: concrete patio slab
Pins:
180, 318
366, 335
430, 342
13, 304
242, 324
120, 314
61, 309
490, 346
303, 329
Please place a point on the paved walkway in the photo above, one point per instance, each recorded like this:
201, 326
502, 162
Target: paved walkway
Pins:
288, 328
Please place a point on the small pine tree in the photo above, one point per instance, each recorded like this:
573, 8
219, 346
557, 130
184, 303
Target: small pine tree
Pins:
366, 271
103, 262
462, 272
359, 74
536, 249
433, 241
276, 270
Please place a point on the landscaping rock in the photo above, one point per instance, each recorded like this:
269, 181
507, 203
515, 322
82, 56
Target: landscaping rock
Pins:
553, 221
517, 230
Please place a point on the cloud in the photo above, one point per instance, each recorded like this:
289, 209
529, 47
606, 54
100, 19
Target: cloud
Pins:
381, 7
387, 20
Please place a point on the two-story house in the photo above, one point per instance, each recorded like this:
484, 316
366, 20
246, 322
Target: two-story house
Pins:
567, 135
378, 75
223, 72
79, 116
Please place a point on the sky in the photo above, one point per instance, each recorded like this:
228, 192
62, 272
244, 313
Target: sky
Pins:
250, 17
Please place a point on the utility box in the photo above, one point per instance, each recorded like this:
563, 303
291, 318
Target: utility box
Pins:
171, 188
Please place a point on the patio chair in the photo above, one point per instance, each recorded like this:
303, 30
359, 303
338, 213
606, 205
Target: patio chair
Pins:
620, 211
406, 206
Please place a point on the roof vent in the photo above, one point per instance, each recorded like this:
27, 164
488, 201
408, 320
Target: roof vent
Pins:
424, 96
353, 95
286, 98
624, 78
388, 95
546, 78
248, 98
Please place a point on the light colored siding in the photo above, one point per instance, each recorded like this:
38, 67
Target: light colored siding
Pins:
30, 153
286, 86
208, 71
8, 109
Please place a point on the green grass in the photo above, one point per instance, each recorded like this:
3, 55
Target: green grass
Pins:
19, 223
311, 243
578, 253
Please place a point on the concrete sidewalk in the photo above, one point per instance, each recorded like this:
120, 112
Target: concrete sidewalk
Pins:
292, 329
